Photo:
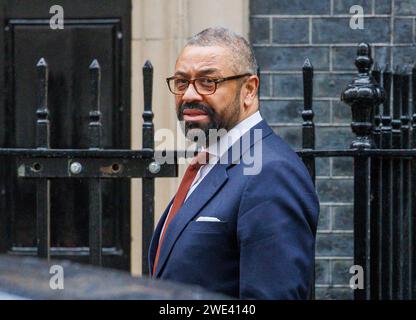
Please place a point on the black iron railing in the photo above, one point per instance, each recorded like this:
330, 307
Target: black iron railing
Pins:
43, 164
384, 154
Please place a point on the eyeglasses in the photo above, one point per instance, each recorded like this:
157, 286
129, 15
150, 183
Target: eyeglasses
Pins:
202, 85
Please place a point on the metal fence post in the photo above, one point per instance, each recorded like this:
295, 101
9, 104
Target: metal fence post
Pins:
397, 185
375, 199
362, 95
308, 127
308, 134
42, 185
405, 240
386, 192
148, 184
94, 184
413, 190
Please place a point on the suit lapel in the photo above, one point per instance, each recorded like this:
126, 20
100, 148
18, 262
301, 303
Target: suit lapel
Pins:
209, 186
156, 235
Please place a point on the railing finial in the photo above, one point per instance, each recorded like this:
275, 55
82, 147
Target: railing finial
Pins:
363, 94
364, 61
42, 112
95, 127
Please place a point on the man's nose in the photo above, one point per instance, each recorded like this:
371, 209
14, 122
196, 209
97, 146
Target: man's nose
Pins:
191, 94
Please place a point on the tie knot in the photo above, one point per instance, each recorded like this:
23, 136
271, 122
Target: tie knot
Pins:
199, 160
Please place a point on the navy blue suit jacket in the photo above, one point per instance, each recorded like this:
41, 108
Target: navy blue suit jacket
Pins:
263, 248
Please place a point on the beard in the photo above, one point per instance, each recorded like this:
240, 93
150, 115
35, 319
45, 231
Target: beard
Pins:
201, 132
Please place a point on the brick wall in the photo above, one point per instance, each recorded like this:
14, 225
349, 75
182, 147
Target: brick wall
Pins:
284, 33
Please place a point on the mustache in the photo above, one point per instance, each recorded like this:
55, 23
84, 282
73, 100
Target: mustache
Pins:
198, 106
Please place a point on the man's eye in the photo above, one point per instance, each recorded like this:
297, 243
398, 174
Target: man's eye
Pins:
206, 81
181, 83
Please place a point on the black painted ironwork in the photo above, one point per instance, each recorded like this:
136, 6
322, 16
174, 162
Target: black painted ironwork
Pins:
386, 248
363, 95
405, 222
384, 154
95, 192
308, 127
397, 185
148, 183
308, 133
412, 224
89, 33
42, 142
375, 197
94, 164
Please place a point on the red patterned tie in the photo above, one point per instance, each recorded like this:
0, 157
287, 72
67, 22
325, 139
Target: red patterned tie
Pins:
189, 176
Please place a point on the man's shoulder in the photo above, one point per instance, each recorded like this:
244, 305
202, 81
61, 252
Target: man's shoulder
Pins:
265, 150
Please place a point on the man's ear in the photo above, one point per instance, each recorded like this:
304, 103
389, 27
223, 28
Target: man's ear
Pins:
251, 87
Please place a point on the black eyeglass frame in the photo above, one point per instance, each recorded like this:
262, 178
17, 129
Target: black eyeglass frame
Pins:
215, 80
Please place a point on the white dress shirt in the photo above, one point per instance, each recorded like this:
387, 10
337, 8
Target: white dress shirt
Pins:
217, 149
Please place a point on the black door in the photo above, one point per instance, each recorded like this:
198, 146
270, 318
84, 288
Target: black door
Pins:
93, 29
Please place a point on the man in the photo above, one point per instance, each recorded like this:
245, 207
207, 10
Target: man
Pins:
234, 228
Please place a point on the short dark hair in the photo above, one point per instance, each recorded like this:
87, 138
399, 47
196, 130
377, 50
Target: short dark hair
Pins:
244, 60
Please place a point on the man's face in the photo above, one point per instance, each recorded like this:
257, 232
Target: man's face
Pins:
220, 110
